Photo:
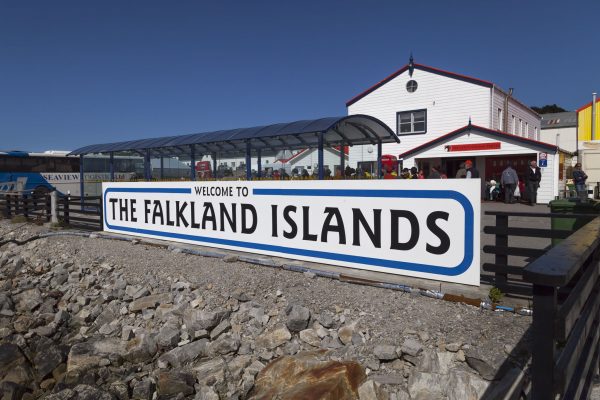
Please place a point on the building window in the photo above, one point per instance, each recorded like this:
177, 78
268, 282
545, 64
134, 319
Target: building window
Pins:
535, 133
499, 119
514, 126
526, 129
411, 122
520, 127
411, 86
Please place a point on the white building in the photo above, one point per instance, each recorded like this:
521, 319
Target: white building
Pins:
560, 129
443, 119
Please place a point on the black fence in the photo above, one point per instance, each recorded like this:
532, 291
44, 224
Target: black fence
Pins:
566, 317
86, 213
30, 205
70, 210
507, 276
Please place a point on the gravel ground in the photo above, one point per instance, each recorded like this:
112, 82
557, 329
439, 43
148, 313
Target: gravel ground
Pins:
382, 316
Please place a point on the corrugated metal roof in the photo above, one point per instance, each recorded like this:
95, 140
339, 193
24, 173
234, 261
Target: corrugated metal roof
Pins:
337, 131
559, 120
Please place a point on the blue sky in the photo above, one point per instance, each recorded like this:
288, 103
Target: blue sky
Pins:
74, 73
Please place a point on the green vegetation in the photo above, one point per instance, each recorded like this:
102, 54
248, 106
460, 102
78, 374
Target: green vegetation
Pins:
18, 219
495, 295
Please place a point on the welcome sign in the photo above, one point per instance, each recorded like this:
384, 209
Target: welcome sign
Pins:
421, 228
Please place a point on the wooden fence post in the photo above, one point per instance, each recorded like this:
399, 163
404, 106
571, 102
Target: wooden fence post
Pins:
25, 201
66, 209
48, 199
8, 206
501, 279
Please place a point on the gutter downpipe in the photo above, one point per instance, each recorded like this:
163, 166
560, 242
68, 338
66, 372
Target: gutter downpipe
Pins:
593, 116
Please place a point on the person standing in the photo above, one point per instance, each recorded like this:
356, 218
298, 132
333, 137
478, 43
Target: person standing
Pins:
509, 181
462, 172
579, 178
470, 171
434, 173
533, 176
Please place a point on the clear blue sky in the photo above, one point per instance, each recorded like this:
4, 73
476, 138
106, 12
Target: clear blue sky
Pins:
74, 73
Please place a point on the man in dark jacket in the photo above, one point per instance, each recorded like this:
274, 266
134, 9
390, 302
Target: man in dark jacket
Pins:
533, 176
579, 178
509, 181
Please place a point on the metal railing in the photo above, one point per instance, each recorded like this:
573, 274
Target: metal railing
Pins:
566, 317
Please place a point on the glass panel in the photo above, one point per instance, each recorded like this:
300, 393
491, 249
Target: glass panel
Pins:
419, 126
405, 128
419, 116
405, 117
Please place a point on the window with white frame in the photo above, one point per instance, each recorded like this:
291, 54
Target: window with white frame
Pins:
520, 127
500, 119
411, 122
526, 129
535, 133
514, 126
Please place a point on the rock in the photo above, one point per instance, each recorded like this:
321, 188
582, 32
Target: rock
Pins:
48, 357
411, 347
6, 303
28, 300
306, 376
12, 391
223, 327
172, 383
184, 354
310, 336
225, 344
14, 366
385, 352
453, 347
23, 323
168, 337
274, 338
371, 390
149, 301
230, 258
88, 354
435, 362
345, 333
140, 349
331, 343
87, 392
143, 390
326, 319
460, 356
206, 393
462, 385
196, 320
297, 318
210, 371
484, 369
240, 296
424, 385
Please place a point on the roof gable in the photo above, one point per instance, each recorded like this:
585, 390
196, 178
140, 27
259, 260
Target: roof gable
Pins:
474, 128
421, 67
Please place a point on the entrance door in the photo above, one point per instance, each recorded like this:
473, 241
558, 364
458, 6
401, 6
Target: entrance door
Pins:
495, 165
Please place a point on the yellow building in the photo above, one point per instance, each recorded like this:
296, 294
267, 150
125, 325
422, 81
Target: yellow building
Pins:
584, 122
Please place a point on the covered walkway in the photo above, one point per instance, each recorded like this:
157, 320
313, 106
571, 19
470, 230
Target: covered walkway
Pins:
251, 142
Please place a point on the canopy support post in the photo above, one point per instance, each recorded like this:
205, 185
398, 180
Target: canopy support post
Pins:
214, 157
321, 169
192, 162
248, 161
342, 162
259, 162
147, 167
112, 166
379, 159
162, 167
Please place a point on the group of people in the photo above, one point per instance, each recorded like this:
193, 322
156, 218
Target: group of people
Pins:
512, 186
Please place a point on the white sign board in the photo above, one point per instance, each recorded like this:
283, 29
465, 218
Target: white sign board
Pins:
421, 228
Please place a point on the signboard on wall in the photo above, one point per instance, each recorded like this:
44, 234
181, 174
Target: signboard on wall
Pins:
543, 160
420, 228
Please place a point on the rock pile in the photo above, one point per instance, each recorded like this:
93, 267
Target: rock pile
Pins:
78, 328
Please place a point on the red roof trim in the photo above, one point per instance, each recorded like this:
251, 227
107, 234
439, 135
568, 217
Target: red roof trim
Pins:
502, 135
587, 105
423, 68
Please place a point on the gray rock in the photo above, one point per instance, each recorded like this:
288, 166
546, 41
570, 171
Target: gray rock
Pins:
168, 337
206, 393
275, 338
6, 303
481, 366
196, 320
411, 347
326, 319
143, 390
172, 383
297, 318
150, 301
424, 385
223, 327
184, 354
371, 390
88, 354
48, 357
385, 352
28, 300
310, 336
87, 392
225, 344
453, 347
462, 385
345, 333
140, 349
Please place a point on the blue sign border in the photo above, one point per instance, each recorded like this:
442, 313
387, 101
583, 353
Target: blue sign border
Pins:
392, 264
